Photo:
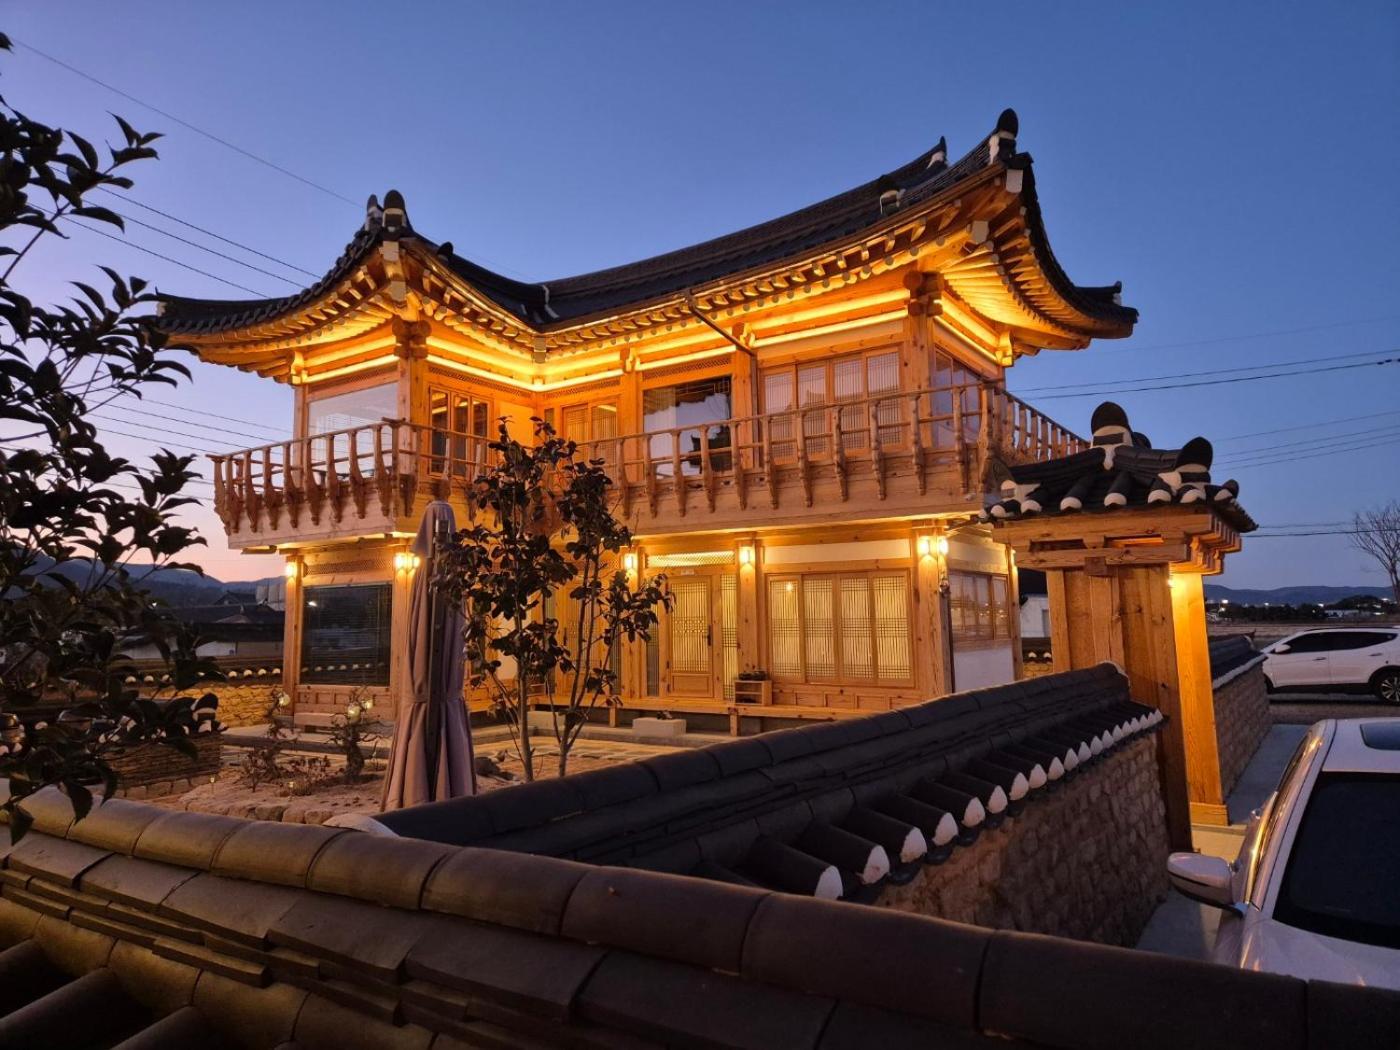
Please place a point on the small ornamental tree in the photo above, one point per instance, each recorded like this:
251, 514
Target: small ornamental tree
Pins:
73, 517
546, 541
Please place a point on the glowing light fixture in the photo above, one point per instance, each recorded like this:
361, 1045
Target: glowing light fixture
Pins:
291, 570
629, 561
406, 561
746, 554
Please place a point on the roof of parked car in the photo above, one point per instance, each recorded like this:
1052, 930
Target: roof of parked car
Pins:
1364, 745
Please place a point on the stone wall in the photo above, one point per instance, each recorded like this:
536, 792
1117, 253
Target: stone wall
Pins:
242, 701
154, 770
1242, 719
1087, 861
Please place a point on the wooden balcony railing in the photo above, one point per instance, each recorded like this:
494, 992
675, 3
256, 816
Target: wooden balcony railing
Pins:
378, 472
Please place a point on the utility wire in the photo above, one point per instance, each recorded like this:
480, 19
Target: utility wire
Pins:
1311, 426
210, 233
212, 251
185, 123
1368, 432
1218, 382
1245, 338
176, 262
1283, 451
214, 415
1208, 372
1314, 455
140, 421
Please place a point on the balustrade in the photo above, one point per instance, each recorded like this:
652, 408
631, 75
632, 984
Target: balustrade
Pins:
380, 470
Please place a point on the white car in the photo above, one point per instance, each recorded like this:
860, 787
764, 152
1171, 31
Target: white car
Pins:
1337, 659
1313, 892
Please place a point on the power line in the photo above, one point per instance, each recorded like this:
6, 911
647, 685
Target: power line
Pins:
1315, 455
1313, 441
1207, 372
1217, 382
1283, 451
210, 233
176, 262
212, 251
215, 415
140, 421
1311, 426
147, 437
185, 123
1256, 335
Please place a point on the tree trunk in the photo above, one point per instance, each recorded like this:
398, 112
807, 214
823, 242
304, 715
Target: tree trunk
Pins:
527, 754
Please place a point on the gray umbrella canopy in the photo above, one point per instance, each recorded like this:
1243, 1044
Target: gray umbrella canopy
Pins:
431, 758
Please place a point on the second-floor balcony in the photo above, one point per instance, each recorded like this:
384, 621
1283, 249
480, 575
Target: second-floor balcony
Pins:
891, 455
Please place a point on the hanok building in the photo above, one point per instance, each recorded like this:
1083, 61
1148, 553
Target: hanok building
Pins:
799, 420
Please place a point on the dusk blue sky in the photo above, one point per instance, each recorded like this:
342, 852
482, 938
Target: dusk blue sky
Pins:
1233, 164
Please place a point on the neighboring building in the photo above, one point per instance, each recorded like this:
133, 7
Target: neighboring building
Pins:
798, 419
228, 627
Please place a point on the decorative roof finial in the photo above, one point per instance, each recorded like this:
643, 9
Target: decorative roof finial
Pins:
374, 214
1002, 142
938, 157
395, 214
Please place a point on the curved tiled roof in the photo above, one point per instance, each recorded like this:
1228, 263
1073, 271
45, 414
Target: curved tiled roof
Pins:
555, 303
830, 810
146, 927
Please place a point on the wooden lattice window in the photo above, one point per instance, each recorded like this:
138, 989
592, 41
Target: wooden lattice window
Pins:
840, 627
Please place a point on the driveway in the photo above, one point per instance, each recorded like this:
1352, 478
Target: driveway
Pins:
1307, 708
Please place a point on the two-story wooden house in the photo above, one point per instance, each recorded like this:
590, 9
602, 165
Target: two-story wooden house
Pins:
798, 418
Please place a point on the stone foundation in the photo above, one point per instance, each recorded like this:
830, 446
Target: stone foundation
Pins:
1242, 719
1087, 861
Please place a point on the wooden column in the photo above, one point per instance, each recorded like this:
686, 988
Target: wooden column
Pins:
291, 630
1013, 613
933, 649
1125, 587
1197, 699
750, 638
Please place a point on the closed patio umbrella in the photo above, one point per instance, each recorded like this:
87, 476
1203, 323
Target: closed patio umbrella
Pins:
432, 754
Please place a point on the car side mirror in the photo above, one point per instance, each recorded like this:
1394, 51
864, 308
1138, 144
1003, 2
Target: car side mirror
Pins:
1282, 647
1202, 878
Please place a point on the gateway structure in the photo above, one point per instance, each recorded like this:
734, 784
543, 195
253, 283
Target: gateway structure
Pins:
800, 420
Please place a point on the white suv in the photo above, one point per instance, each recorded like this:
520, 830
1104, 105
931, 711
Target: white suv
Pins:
1313, 891
1337, 659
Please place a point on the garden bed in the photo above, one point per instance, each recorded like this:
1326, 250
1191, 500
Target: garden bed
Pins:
228, 794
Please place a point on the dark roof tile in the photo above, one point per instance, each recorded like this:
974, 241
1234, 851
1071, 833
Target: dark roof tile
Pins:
525, 970
273, 852
385, 870
53, 858
189, 839
689, 920
1045, 990
142, 883
528, 893
900, 962
685, 1006
366, 936
242, 911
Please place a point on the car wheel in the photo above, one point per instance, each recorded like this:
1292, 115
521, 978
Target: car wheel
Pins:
1387, 686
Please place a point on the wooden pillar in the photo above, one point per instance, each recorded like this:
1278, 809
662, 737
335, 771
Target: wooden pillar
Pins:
1013, 613
400, 687
749, 636
1197, 699
291, 629
933, 648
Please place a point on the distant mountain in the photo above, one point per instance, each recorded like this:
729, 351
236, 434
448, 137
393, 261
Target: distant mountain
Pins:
172, 586
1290, 595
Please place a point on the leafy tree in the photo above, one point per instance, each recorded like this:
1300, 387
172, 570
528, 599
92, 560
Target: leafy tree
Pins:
1376, 532
73, 516
545, 541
